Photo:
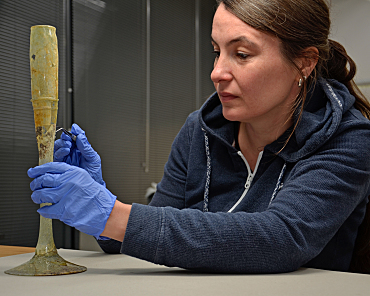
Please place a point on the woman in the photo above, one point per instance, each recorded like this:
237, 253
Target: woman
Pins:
272, 173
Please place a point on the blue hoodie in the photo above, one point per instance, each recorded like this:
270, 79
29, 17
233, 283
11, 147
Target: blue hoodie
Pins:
300, 206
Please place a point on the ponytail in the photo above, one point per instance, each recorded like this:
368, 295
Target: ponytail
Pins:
336, 65
336, 68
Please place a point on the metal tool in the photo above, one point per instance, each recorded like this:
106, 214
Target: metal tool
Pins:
73, 137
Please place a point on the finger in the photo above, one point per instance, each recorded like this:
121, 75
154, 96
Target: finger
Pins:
60, 143
57, 211
51, 212
61, 149
76, 130
47, 195
61, 153
50, 167
75, 157
65, 137
86, 149
83, 144
44, 181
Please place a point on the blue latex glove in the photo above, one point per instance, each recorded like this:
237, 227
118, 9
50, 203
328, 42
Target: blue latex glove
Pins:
79, 153
77, 199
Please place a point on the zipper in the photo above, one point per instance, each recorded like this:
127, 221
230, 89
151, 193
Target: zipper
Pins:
250, 177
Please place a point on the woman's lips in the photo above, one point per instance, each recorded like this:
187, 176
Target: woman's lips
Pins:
226, 97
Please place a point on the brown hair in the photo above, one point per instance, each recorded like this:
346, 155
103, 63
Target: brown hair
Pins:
301, 24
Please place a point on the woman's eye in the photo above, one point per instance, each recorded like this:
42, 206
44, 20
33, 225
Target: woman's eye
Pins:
242, 55
216, 53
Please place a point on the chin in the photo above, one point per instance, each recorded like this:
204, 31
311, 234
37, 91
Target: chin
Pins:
232, 116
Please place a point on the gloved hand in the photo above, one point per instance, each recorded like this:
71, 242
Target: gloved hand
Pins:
77, 199
79, 153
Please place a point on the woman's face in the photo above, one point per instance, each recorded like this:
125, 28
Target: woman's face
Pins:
253, 80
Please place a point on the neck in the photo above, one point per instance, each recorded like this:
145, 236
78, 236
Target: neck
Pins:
252, 139
257, 137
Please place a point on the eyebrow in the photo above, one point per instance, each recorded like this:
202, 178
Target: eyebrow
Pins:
239, 39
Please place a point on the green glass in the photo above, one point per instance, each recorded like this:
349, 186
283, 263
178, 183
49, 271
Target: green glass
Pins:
44, 87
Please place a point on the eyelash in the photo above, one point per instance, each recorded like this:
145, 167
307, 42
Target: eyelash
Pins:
240, 55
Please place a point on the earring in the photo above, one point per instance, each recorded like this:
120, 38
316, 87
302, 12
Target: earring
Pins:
300, 82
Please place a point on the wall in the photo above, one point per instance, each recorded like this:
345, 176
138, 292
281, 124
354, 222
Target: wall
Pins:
140, 68
351, 27
19, 221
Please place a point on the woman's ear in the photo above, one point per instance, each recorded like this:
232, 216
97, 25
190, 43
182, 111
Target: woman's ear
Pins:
307, 62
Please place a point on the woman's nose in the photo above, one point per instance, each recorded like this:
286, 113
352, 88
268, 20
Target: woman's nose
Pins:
221, 71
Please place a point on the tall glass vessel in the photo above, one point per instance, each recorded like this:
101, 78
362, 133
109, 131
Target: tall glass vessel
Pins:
44, 87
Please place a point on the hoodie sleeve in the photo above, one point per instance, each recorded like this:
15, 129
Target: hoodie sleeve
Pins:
318, 196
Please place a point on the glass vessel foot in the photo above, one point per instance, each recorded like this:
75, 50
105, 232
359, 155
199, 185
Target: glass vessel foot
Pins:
48, 264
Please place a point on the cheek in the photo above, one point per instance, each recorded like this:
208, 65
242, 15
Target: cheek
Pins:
266, 81
255, 80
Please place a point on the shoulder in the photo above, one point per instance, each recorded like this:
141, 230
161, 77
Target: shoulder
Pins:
196, 120
191, 124
353, 124
351, 141
193, 118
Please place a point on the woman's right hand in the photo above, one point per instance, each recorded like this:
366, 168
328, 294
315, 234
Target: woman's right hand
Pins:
79, 153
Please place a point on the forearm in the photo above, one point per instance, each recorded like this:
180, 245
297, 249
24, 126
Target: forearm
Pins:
117, 221
219, 242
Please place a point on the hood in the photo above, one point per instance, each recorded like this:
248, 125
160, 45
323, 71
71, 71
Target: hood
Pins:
324, 107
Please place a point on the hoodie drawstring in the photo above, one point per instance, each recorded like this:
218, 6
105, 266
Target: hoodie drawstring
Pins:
208, 176
279, 184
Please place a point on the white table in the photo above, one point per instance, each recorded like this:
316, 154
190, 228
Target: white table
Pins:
122, 275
